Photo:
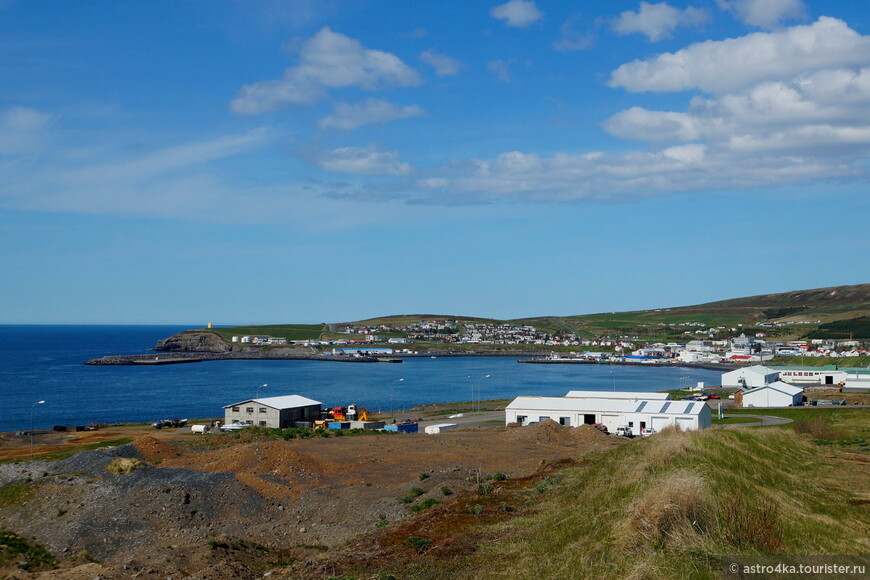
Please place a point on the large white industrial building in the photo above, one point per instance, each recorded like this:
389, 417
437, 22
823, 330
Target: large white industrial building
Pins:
634, 410
749, 377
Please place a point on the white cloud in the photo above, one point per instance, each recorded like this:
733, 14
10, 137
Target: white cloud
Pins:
734, 64
444, 65
517, 13
764, 13
328, 60
169, 159
369, 112
573, 40
363, 161
658, 21
22, 130
501, 69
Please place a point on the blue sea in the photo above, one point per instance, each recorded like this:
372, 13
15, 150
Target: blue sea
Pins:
47, 363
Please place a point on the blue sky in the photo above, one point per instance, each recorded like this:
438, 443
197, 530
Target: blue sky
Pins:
246, 161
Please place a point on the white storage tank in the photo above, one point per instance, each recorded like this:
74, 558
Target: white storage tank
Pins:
199, 428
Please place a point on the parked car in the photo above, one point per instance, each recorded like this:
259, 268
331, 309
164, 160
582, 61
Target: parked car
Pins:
624, 431
169, 423
713, 397
601, 427
647, 431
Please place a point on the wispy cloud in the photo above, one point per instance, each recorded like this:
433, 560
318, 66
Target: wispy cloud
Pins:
444, 65
370, 111
363, 161
22, 129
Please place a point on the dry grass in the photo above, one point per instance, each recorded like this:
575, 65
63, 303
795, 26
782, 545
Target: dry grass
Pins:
671, 513
123, 465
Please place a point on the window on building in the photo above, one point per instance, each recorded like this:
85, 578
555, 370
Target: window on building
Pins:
521, 419
262, 423
565, 421
236, 409
249, 409
262, 409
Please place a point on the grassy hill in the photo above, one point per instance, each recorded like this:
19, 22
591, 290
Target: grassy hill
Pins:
842, 312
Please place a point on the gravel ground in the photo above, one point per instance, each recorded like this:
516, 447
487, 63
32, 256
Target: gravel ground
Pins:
174, 515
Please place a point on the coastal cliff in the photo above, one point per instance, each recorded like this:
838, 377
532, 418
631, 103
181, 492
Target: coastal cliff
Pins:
194, 342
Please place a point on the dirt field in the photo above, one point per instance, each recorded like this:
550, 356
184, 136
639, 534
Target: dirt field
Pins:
198, 503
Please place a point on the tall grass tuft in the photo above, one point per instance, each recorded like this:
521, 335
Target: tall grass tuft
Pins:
123, 465
671, 513
751, 522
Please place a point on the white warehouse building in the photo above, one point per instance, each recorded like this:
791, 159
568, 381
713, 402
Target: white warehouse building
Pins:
749, 377
776, 394
612, 413
618, 395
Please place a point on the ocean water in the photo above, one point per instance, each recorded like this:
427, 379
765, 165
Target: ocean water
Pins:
47, 363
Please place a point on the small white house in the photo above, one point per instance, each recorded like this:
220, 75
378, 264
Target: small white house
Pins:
777, 394
749, 377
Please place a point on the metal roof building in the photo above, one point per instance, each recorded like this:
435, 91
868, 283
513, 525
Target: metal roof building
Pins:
618, 395
613, 413
275, 412
776, 394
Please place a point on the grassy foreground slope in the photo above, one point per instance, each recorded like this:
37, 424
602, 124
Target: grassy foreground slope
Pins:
672, 506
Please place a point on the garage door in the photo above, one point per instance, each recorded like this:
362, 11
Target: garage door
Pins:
659, 423
685, 423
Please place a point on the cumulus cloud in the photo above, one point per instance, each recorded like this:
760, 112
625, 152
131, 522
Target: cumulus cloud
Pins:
764, 13
363, 161
517, 13
328, 60
22, 129
658, 21
737, 63
444, 65
369, 112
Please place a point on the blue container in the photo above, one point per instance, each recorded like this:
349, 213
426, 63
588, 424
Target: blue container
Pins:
343, 425
391, 427
408, 428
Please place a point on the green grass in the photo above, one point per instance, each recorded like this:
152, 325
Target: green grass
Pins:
13, 494
812, 361
27, 554
288, 331
71, 450
675, 504
734, 420
845, 423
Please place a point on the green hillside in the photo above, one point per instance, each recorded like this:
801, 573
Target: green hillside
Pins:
835, 312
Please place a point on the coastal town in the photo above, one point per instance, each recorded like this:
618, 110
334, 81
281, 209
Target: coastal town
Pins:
701, 347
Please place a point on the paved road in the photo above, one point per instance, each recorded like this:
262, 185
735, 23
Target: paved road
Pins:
762, 421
